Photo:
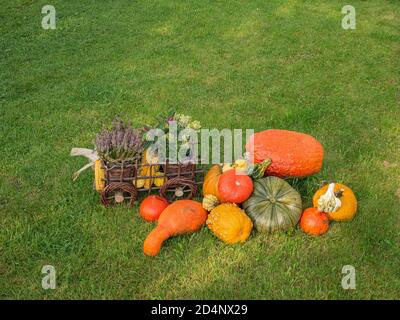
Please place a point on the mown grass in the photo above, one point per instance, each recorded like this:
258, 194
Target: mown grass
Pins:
242, 64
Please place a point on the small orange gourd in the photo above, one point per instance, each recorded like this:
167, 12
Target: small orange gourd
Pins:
182, 216
210, 185
229, 223
234, 186
314, 222
348, 202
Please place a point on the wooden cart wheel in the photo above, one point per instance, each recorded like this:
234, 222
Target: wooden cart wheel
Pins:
116, 190
178, 188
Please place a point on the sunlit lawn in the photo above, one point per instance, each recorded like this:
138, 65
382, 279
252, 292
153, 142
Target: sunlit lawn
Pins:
237, 64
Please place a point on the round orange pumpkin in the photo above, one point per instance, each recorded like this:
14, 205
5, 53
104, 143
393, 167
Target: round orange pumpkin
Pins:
293, 154
210, 184
152, 206
314, 222
348, 207
234, 187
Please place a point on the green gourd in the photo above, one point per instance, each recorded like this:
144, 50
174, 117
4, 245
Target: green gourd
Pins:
274, 205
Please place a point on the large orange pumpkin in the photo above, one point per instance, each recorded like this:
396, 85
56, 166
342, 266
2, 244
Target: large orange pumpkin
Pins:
210, 185
293, 154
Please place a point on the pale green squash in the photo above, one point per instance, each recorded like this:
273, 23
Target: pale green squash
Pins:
274, 205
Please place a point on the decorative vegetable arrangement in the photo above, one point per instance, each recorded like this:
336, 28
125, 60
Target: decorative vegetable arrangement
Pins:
236, 196
180, 217
126, 165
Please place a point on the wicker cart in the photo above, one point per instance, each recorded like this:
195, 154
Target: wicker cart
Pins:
122, 181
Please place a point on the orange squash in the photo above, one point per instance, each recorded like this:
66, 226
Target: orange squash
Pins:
314, 222
348, 206
182, 216
210, 185
293, 154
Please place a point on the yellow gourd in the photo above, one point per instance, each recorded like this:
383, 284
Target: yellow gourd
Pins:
229, 223
210, 202
99, 175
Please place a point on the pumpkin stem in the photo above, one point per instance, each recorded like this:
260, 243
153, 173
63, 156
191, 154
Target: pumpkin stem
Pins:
339, 193
259, 169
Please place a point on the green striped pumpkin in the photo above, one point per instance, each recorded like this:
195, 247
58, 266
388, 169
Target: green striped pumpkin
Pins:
274, 205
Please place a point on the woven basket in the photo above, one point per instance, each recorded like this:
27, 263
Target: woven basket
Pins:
179, 169
120, 171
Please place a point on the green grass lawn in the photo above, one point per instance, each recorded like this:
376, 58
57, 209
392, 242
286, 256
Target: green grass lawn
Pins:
243, 64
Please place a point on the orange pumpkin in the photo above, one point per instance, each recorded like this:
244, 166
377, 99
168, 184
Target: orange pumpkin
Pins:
234, 187
210, 185
152, 206
314, 222
293, 154
348, 206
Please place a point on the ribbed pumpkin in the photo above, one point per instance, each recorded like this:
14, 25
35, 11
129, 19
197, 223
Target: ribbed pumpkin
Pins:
348, 206
274, 205
293, 154
210, 184
229, 223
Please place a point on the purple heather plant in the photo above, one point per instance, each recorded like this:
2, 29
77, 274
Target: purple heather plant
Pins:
120, 143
